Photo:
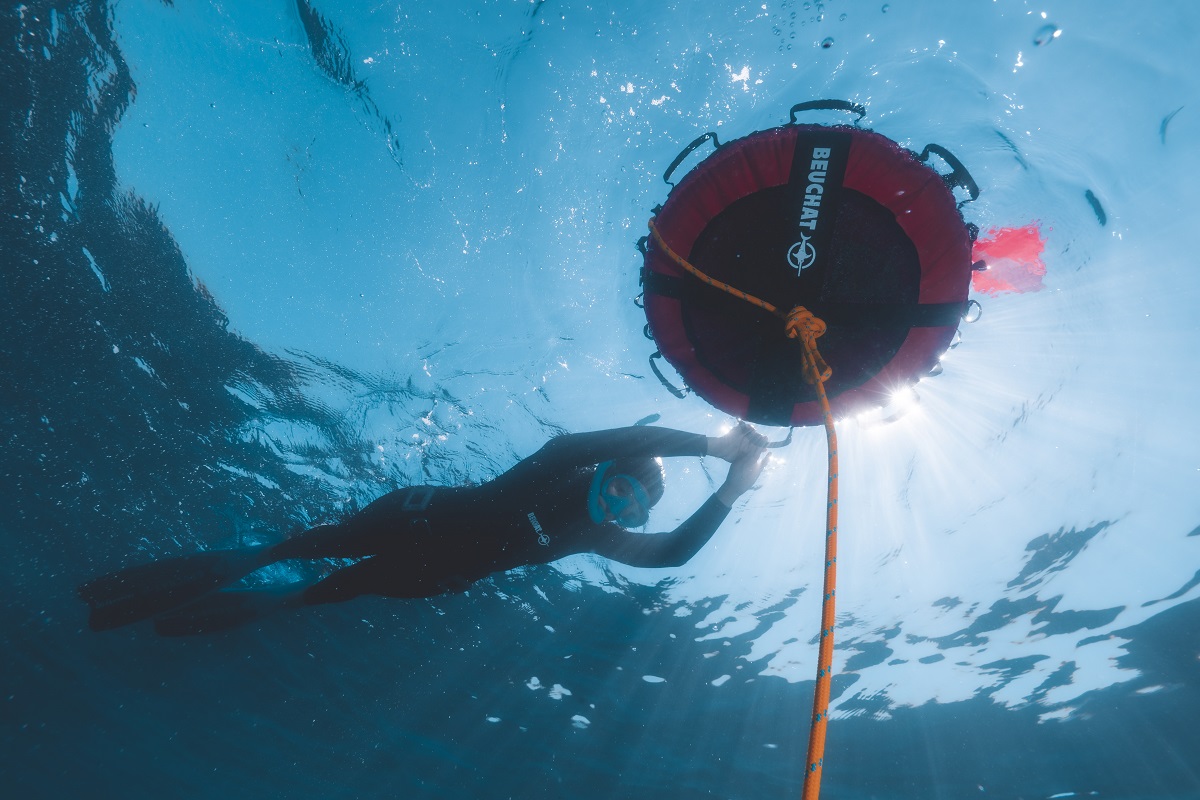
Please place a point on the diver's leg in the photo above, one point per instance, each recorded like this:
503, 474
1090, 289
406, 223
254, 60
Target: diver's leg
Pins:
147, 590
234, 607
385, 524
323, 541
378, 575
229, 608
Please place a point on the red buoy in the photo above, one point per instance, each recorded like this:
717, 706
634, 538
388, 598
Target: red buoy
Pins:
838, 219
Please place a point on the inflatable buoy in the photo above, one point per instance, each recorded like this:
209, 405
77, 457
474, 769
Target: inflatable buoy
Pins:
837, 219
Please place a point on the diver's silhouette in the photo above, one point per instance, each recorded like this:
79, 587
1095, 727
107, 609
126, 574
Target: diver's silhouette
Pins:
580, 493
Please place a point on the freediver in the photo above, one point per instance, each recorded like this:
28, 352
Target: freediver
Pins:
580, 493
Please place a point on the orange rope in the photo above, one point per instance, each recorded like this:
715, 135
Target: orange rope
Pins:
816, 739
800, 323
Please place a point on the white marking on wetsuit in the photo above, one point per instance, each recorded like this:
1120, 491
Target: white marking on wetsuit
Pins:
543, 537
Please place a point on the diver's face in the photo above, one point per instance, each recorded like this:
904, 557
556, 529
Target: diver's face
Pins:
625, 501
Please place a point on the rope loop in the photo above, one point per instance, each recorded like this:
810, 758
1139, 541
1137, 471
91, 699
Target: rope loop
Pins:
801, 324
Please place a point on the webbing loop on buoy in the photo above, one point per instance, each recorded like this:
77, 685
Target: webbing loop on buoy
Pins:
801, 324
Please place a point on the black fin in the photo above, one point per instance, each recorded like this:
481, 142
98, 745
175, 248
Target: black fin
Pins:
141, 592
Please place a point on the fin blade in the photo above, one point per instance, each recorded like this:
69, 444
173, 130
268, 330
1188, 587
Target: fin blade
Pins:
143, 591
226, 609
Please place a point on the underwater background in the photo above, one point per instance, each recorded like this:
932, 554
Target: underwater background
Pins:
263, 262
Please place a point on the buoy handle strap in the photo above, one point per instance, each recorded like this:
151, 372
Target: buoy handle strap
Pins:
959, 176
699, 140
680, 393
829, 105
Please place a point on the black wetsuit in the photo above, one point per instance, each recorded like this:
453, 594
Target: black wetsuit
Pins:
424, 541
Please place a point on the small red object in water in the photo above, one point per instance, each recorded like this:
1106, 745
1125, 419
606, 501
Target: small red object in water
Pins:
1014, 260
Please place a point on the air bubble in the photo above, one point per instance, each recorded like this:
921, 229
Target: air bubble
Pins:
827, 42
885, 8
1046, 34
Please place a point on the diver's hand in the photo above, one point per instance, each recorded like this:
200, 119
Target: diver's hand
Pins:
743, 472
742, 440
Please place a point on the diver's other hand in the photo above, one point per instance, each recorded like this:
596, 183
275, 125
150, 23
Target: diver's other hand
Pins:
741, 441
743, 472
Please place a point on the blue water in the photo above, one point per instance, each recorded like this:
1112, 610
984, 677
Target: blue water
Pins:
264, 262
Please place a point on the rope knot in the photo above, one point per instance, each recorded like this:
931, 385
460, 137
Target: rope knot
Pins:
801, 324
